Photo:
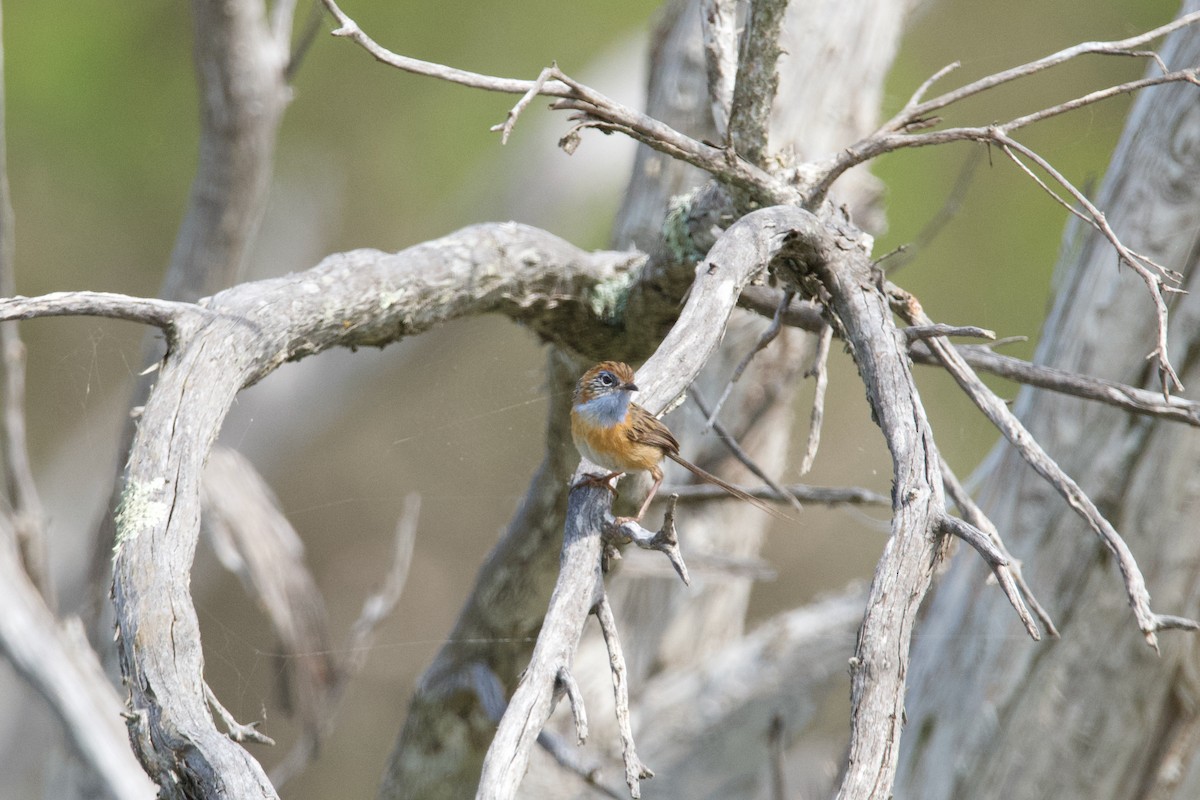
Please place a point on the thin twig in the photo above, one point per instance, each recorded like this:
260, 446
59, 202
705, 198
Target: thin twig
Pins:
506, 128
899, 132
997, 562
973, 514
163, 314
819, 495
722, 163
1121, 47
917, 332
765, 339
820, 369
665, 540
1119, 395
575, 698
234, 729
1143, 266
806, 315
739, 452
635, 770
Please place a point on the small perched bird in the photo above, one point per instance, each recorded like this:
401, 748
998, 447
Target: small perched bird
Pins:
611, 430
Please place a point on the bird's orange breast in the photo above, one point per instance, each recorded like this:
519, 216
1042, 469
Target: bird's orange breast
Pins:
612, 447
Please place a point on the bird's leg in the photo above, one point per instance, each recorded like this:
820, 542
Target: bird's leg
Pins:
658, 479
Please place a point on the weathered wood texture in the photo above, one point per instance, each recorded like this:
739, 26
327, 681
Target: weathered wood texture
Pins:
1097, 714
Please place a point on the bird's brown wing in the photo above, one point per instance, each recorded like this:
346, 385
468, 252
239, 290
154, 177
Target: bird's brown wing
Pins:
646, 430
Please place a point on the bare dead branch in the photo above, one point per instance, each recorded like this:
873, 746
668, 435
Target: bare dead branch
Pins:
805, 315
1006, 422
162, 314
1151, 273
974, 515
820, 369
837, 256
915, 333
757, 80
764, 339
635, 770
236, 338
718, 25
575, 697
741, 253
997, 562
739, 452
912, 111
818, 495
665, 540
1130, 398
58, 663
598, 111
235, 730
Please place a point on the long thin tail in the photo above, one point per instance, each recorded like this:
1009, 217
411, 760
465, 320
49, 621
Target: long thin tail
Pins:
705, 475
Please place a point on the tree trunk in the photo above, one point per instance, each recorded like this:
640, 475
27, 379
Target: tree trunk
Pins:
1097, 714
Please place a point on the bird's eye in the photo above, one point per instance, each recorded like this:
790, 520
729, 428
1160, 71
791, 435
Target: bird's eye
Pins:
607, 379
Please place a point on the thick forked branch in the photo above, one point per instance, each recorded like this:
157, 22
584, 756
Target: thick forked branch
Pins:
741, 253
905, 570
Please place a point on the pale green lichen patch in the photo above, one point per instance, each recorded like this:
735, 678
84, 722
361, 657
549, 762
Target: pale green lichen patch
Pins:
676, 234
607, 298
140, 508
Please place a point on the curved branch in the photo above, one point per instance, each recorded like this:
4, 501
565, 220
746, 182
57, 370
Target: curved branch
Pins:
741, 253
232, 340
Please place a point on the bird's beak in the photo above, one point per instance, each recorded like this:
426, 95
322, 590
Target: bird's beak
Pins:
631, 387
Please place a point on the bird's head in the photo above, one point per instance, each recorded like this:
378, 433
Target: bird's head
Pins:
606, 379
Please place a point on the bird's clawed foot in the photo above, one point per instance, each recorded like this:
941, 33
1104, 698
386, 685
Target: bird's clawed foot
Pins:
599, 480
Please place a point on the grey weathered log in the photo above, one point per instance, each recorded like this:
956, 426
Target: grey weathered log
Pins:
1096, 715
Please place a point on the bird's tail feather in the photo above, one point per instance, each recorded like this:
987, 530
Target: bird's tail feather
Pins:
740, 494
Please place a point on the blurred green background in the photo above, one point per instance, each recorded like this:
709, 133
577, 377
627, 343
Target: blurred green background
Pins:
102, 138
